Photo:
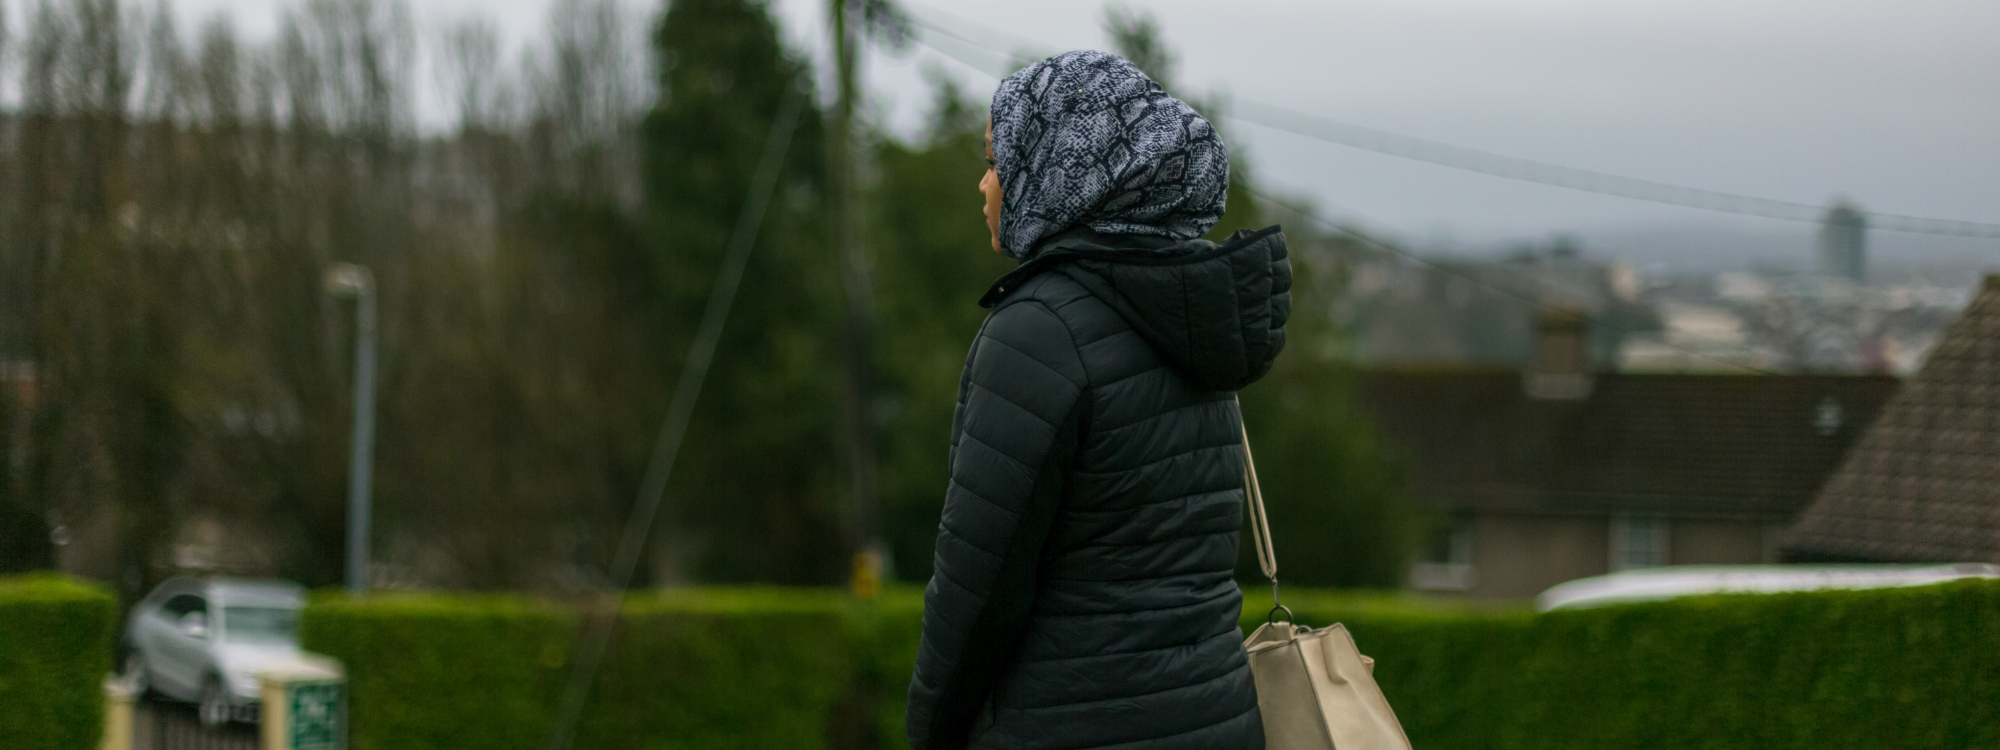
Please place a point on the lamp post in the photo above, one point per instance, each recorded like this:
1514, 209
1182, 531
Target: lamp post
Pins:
349, 280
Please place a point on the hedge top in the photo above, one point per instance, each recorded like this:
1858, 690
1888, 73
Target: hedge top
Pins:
49, 588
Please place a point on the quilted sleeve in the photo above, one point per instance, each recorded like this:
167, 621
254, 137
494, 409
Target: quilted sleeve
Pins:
1017, 425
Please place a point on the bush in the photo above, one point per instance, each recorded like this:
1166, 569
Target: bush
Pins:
760, 668
56, 637
437, 671
1891, 668
732, 668
892, 627
799, 669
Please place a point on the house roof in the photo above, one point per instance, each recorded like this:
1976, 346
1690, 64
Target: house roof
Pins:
1684, 444
1923, 484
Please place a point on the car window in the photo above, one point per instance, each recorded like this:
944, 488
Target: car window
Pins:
260, 624
183, 604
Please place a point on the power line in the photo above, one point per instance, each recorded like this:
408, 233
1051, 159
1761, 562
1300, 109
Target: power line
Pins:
1508, 167
1365, 239
639, 525
1528, 170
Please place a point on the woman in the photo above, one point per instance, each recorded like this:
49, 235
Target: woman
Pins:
1083, 595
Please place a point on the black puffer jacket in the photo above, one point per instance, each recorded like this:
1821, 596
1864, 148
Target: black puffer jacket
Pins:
1083, 595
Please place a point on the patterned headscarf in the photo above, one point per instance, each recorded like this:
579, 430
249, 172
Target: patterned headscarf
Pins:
1086, 138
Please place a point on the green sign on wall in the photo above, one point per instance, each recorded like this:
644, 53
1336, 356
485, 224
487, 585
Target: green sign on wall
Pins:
314, 716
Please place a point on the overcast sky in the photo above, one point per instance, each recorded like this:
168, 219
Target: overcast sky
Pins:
1894, 104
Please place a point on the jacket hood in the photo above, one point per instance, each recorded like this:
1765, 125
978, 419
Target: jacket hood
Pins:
1215, 312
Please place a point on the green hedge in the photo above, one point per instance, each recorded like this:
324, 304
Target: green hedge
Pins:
1891, 668
703, 668
727, 669
755, 668
445, 671
56, 636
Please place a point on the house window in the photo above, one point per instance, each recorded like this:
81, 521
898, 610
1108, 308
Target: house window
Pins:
1638, 541
1444, 559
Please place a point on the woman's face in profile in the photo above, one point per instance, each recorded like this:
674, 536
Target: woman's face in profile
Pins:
990, 186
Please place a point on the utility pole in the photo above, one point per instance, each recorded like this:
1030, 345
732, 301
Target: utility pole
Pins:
349, 280
858, 400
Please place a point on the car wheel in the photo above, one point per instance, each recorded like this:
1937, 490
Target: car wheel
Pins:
136, 676
215, 708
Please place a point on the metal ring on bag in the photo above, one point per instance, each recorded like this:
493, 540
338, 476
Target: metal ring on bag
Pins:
1272, 617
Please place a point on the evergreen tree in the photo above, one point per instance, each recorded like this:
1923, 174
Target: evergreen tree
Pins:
934, 261
756, 487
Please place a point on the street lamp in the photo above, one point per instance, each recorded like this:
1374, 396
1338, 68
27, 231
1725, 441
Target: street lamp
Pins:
349, 280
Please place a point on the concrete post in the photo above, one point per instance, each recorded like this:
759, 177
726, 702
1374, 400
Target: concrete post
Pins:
117, 715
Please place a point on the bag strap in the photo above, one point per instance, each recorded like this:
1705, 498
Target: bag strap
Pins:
1260, 523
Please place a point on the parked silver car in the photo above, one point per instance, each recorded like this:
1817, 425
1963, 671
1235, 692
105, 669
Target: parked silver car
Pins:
205, 639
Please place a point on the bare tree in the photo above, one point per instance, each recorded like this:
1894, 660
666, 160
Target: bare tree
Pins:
167, 207
220, 74
469, 68
164, 69
586, 95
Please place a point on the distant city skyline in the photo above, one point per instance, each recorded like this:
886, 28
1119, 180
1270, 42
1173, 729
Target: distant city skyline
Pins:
1887, 104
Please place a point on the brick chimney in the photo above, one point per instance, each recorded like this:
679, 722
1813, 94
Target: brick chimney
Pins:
1560, 367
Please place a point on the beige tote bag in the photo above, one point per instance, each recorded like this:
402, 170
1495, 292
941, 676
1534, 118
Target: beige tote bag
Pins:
1315, 689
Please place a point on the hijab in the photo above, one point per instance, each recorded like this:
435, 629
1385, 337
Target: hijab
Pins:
1086, 139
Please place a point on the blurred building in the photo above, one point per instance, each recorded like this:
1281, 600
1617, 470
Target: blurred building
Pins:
1843, 244
1923, 484
1793, 322
1457, 312
1560, 470
1695, 338
1817, 318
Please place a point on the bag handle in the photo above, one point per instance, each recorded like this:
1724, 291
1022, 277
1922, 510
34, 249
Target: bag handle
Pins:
1260, 523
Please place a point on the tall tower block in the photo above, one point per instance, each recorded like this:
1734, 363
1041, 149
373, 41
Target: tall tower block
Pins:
1843, 243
